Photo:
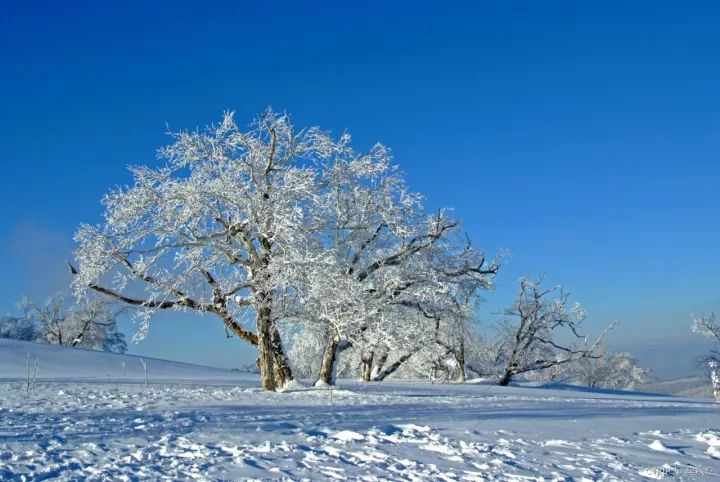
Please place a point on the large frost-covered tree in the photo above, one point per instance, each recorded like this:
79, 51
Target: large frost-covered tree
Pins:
289, 227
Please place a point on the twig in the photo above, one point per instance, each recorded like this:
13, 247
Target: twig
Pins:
34, 375
146, 371
28, 373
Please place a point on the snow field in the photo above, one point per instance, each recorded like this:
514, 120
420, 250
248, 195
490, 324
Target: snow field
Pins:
393, 431
100, 427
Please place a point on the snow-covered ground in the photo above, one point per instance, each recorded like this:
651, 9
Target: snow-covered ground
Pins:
58, 362
109, 427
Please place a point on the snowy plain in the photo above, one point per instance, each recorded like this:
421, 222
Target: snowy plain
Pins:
86, 420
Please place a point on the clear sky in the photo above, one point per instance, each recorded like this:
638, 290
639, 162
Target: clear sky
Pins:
582, 136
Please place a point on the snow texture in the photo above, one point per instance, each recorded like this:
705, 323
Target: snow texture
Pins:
104, 427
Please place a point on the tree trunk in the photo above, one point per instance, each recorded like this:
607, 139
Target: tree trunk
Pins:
379, 365
327, 367
463, 375
460, 358
367, 361
390, 369
282, 371
507, 376
266, 361
275, 370
433, 372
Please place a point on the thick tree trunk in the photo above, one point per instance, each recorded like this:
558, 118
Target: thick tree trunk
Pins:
266, 361
367, 361
327, 367
275, 370
282, 371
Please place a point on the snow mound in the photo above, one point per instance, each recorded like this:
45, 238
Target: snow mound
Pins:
660, 447
292, 385
713, 441
322, 385
347, 436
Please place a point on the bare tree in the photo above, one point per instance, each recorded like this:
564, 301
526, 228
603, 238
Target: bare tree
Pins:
530, 331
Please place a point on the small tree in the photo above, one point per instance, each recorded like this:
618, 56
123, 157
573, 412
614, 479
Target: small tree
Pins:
530, 331
90, 324
618, 371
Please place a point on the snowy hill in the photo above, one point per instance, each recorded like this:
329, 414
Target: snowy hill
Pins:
200, 423
61, 362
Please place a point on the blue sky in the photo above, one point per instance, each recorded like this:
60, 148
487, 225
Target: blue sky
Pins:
582, 136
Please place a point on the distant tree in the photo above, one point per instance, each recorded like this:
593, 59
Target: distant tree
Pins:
90, 324
618, 371
450, 346
709, 327
18, 328
530, 329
